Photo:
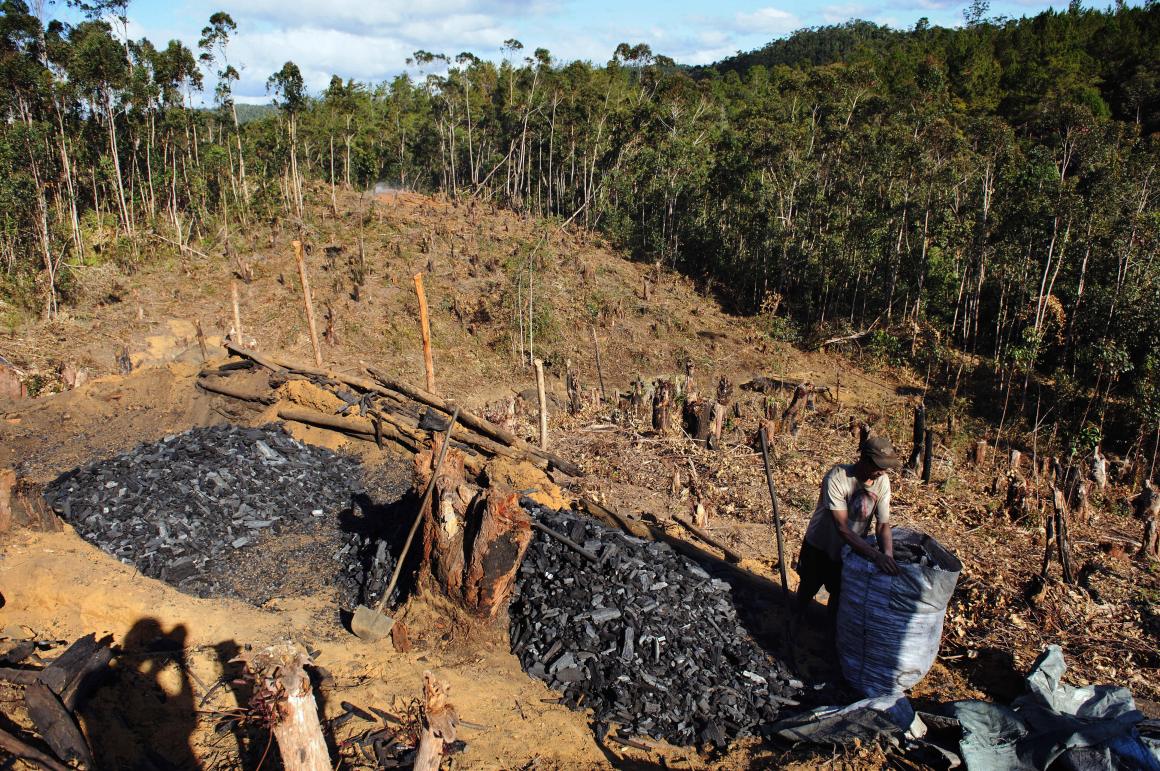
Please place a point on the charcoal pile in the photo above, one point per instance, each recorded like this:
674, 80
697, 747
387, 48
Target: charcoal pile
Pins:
180, 508
643, 636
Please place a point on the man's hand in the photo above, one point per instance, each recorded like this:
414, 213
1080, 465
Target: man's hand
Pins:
886, 563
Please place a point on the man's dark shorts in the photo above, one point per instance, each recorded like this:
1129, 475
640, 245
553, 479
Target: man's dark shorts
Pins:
815, 570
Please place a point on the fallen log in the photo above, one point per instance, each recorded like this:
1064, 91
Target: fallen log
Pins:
25, 751
364, 428
66, 675
234, 393
55, 725
474, 422
388, 389
730, 555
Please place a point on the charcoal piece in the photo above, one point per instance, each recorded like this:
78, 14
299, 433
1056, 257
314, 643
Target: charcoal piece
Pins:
669, 666
601, 615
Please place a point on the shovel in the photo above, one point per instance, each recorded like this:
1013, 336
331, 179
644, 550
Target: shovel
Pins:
372, 625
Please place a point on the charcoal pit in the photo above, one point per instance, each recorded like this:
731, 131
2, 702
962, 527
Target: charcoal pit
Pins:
644, 637
228, 511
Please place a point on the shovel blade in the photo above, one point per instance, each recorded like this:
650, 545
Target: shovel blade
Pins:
370, 625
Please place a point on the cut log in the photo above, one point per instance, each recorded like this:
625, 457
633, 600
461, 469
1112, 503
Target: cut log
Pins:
56, 725
7, 486
474, 422
215, 385
497, 551
282, 694
66, 675
25, 751
425, 331
440, 721
539, 364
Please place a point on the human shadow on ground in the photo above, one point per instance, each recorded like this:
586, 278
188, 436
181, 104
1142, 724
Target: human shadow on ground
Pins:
143, 716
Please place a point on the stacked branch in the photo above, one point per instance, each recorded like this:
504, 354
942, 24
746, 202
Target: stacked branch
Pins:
387, 410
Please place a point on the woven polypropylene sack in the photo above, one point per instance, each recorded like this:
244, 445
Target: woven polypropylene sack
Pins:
889, 627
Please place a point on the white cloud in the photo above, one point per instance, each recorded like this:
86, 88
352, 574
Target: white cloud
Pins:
768, 21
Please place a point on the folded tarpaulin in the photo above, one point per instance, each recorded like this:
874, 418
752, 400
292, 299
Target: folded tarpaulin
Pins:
1094, 726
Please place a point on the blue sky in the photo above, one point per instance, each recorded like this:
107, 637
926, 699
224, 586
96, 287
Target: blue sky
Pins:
370, 40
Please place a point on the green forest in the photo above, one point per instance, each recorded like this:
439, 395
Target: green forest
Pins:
982, 195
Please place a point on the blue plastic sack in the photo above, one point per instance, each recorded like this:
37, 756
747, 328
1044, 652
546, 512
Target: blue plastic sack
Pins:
889, 627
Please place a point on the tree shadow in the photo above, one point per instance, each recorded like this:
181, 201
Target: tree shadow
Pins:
144, 715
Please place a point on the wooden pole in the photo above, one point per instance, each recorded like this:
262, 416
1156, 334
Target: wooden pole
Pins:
926, 456
237, 311
776, 514
309, 300
425, 329
543, 404
919, 433
599, 368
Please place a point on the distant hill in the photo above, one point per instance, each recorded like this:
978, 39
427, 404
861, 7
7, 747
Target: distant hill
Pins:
253, 112
810, 47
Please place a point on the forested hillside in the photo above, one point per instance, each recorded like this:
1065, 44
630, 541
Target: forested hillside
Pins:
988, 190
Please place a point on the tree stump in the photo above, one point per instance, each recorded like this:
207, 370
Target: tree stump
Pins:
718, 412
504, 533
979, 452
284, 699
698, 420
662, 406
1056, 530
572, 384
791, 416
440, 720
1146, 507
1016, 500
444, 518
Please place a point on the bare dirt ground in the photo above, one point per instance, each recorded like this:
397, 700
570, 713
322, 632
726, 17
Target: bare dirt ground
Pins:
159, 708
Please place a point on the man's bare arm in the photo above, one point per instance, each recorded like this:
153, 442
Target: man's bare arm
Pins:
882, 560
886, 543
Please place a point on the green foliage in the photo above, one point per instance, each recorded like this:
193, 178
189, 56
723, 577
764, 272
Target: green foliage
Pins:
990, 187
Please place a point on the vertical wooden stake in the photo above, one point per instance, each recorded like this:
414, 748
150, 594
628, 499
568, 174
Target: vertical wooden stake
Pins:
543, 404
776, 513
201, 341
237, 312
599, 369
926, 456
425, 330
309, 300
